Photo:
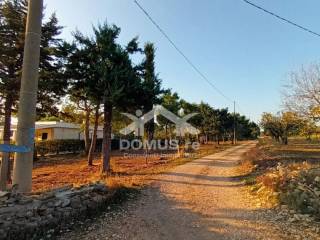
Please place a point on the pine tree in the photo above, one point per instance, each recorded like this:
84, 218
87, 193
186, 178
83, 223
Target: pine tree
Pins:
103, 71
13, 15
151, 85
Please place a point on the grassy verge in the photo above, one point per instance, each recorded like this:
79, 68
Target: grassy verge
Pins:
286, 175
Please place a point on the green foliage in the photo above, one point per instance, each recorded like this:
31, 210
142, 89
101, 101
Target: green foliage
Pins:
101, 71
308, 128
287, 124
171, 102
52, 84
72, 114
151, 85
281, 126
50, 118
119, 121
246, 129
215, 124
302, 192
58, 146
218, 124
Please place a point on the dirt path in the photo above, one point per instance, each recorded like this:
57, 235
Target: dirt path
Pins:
199, 200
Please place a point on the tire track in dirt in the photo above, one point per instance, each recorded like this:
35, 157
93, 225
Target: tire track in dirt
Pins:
202, 199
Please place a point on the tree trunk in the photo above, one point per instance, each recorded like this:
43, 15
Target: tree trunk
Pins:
150, 129
106, 147
87, 132
5, 163
94, 136
284, 140
166, 130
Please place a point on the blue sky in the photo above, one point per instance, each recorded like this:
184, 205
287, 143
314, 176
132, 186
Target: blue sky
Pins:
244, 52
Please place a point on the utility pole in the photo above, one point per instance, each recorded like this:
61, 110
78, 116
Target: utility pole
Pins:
22, 172
234, 123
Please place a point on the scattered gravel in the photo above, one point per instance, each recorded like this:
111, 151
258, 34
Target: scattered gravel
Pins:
202, 199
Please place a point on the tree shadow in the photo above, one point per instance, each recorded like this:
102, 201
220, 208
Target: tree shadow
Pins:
155, 215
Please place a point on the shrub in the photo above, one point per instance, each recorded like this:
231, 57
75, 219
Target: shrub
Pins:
298, 186
68, 145
302, 192
58, 146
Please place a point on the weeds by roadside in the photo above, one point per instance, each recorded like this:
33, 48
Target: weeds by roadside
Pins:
286, 176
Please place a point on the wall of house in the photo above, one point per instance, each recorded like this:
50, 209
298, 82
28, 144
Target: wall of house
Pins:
66, 133
57, 133
39, 134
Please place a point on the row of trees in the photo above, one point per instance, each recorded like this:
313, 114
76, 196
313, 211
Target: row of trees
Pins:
97, 77
94, 72
301, 101
214, 124
13, 15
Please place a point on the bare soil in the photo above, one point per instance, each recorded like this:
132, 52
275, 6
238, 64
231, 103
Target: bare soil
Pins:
202, 199
127, 170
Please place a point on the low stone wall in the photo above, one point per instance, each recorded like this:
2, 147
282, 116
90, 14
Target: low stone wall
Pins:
31, 216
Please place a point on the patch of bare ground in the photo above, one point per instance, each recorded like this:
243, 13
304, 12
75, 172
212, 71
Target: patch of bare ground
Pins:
202, 199
127, 170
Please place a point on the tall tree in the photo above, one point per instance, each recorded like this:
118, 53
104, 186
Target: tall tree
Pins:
302, 94
83, 103
171, 102
281, 126
114, 80
219, 125
13, 14
81, 72
151, 85
92, 148
207, 120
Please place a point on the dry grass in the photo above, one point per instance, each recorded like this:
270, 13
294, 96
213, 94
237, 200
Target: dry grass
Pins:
58, 171
269, 153
272, 167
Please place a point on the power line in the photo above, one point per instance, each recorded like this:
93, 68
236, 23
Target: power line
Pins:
240, 110
282, 18
181, 52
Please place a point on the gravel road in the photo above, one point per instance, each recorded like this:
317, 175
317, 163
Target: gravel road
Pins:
202, 199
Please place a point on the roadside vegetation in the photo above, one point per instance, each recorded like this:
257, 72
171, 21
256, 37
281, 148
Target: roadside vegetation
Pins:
286, 176
91, 80
284, 169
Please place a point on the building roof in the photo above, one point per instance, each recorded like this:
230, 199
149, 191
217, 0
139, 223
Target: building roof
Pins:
56, 124
52, 124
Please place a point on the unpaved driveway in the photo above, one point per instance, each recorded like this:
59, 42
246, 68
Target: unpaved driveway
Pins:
200, 200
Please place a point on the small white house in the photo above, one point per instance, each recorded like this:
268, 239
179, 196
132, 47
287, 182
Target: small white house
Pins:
54, 130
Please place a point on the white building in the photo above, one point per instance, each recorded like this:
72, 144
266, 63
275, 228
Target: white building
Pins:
53, 130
